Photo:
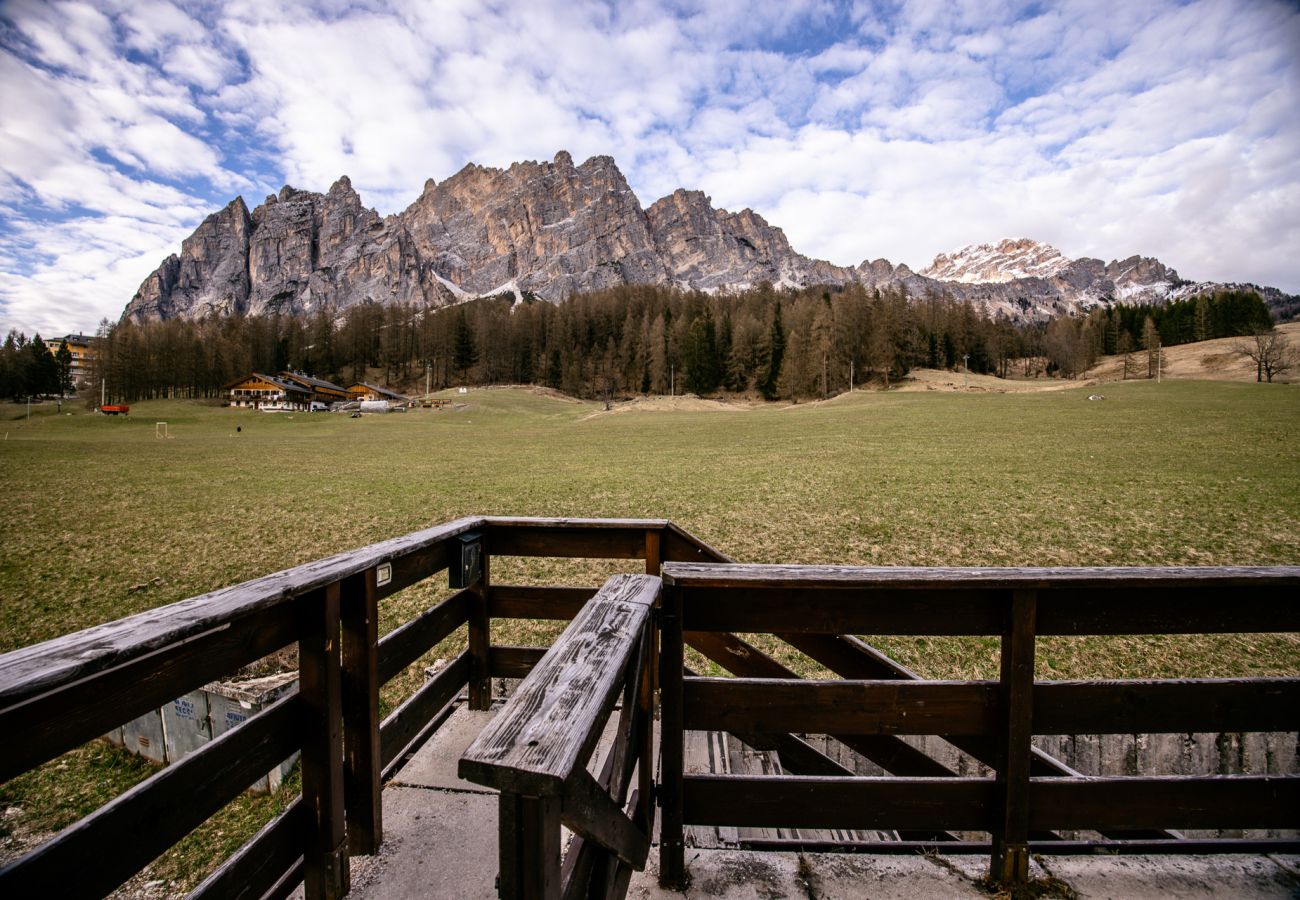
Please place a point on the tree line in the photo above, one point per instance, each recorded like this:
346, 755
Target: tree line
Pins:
633, 339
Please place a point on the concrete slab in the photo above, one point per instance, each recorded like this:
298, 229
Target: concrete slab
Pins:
1182, 877
434, 764
436, 844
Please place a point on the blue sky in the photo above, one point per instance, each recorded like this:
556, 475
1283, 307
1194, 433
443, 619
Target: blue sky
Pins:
864, 129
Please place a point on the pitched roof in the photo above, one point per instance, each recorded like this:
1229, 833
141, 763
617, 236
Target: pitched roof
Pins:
377, 389
281, 383
315, 383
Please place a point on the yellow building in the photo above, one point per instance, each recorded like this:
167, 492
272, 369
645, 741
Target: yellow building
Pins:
81, 346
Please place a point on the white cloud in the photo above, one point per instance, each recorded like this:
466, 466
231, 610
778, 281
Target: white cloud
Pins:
897, 129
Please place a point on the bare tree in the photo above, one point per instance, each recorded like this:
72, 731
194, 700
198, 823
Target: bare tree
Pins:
1272, 353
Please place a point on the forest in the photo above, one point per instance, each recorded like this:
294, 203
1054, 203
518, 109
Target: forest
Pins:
778, 344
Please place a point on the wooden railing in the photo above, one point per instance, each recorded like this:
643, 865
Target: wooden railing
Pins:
60, 694
818, 610
537, 750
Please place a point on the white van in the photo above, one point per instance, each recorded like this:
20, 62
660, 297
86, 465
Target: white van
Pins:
317, 406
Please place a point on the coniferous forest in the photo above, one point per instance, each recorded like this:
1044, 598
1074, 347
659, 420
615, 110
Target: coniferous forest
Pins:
778, 344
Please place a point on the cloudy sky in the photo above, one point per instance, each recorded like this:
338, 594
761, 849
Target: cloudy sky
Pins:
864, 129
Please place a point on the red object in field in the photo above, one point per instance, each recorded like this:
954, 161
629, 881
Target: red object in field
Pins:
114, 410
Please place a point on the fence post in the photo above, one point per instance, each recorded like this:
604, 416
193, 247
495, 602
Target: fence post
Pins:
362, 787
1010, 861
325, 855
480, 640
653, 557
528, 837
672, 864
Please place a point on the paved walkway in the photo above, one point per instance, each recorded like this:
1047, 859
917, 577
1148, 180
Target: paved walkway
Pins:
440, 841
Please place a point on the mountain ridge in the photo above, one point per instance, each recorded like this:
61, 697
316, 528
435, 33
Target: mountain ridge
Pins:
553, 229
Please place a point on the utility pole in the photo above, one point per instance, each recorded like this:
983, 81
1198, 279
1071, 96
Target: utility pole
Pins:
428, 374
1160, 358
965, 378
103, 386
850, 376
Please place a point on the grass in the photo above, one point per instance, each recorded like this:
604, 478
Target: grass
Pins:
103, 519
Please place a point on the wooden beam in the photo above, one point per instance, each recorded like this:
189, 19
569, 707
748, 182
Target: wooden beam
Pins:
404, 645
551, 725
1010, 858
528, 848
480, 636
325, 855
840, 707
91, 857
406, 722
1191, 705
759, 801
515, 601
514, 662
1174, 801
359, 612
262, 862
590, 811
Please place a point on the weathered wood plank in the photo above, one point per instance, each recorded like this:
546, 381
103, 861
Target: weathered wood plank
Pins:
590, 811
679, 545
1212, 801
480, 636
1010, 858
261, 862
325, 856
743, 659
840, 707
1191, 705
1208, 608
1171, 847
757, 576
672, 741
528, 847
855, 611
359, 612
965, 804
33, 670
406, 722
74, 712
515, 601
551, 724
111, 844
404, 645
576, 541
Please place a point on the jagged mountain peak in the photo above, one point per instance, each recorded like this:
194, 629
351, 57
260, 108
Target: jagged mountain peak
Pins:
553, 229
998, 263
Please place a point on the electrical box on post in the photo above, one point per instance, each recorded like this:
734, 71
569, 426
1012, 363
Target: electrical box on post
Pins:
466, 567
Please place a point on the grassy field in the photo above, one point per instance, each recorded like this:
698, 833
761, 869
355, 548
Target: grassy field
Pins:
104, 519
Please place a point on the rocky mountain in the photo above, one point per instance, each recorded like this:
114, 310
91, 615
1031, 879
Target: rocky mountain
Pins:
553, 229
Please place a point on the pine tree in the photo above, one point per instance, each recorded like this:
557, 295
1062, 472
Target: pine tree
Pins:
771, 384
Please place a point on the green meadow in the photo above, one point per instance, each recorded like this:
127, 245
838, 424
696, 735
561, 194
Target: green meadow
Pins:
104, 518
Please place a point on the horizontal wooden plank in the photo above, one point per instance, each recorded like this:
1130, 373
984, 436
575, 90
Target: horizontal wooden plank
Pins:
1133, 707
416, 566
592, 813
745, 660
1213, 801
408, 720
756, 576
840, 707
820, 611
1207, 608
71, 713
34, 670
517, 601
573, 542
549, 727
111, 844
765, 801
403, 646
564, 523
513, 662
261, 862
1169, 847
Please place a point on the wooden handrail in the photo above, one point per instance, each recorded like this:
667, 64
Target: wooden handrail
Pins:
551, 724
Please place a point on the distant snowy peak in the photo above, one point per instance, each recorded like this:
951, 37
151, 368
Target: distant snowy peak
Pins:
998, 263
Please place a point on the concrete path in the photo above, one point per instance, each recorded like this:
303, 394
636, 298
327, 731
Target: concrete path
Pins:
440, 840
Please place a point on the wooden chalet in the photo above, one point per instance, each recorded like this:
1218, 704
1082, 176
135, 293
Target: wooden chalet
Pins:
322, 391
363, 390
270, 392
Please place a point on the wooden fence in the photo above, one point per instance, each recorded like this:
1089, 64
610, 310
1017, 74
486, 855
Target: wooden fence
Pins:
818, 610
59, 694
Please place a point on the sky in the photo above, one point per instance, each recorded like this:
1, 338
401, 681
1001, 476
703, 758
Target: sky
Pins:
863, 129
